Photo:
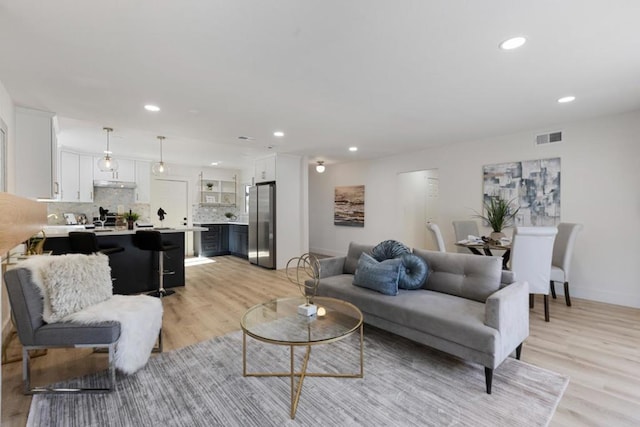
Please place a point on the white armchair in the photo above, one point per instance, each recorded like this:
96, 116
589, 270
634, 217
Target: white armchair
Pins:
531, 253
561, 260
437, 234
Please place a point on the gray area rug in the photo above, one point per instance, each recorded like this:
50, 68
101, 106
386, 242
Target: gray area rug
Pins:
405, 384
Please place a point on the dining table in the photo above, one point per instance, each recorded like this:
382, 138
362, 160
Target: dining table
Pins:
484, 247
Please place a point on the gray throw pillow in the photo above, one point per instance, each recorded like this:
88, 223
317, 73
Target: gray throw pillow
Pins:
413, 272
378, 276
389, 249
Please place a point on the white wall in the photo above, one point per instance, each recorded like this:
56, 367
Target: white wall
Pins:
600, 189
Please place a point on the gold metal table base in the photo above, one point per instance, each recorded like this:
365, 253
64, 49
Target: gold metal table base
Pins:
296, 389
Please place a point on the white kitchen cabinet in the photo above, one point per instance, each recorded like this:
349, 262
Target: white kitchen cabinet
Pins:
126, 171
143, 181
76, 177
265, 169
36, 154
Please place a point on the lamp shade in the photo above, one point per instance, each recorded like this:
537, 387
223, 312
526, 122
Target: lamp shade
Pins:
107, 163
160, 168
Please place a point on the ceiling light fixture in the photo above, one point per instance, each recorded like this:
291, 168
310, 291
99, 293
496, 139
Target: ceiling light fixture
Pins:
353, 148
215, 163
566, 99
107, 163
320, 166
278, 133
153, 108
513, 43
159, 168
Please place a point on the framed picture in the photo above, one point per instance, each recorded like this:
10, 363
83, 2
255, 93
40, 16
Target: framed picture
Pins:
348, 206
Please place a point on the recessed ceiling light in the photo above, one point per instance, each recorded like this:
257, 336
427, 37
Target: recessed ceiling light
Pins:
512, 43
566, 99
353, 148
153, 108
278, 133
215, 163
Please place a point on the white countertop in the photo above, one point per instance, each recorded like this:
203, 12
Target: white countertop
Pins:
220, 223
63, 230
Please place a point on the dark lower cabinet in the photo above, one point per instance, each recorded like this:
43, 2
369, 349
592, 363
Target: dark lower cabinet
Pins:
222, 239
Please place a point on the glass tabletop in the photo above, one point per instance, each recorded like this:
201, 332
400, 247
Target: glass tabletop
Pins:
277, 321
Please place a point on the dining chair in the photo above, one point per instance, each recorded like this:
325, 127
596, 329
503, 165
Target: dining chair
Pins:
462, 230
531, 253
437, 235
561, 260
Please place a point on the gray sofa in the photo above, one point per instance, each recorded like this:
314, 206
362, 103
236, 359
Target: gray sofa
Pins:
468, 306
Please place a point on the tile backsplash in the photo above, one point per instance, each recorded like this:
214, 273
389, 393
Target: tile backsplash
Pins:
207, 214
112, 199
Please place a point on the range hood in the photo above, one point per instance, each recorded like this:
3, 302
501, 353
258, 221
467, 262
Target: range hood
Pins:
114, 184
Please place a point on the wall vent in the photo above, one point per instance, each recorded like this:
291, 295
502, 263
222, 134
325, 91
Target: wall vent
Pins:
549, 138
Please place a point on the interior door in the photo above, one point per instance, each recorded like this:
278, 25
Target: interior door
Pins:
172, 197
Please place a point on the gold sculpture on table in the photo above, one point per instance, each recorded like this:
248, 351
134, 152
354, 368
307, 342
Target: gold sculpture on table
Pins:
307, 267
35, 244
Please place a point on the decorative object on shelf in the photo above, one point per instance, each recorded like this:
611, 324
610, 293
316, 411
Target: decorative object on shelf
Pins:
306, 267
209, 186
230, 216
107, 163
348, 206
534, 184
35, 244
159, 168
131, 218
500, 214
320, 166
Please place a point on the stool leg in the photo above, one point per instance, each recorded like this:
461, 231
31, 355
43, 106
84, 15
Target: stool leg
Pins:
161, 292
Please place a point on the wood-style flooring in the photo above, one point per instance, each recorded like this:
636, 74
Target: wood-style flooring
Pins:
596, 344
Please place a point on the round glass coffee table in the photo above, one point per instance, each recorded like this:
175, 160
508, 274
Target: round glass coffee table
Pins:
278, 322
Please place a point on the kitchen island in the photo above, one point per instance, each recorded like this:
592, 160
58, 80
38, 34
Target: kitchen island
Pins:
133, 270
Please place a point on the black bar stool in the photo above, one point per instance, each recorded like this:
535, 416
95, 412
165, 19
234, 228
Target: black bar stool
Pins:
151, 240
85, 242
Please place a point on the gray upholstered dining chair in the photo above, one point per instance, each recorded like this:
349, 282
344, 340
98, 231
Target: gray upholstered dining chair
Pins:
437, 234
34, 333
561, 260
462, 230
531, 253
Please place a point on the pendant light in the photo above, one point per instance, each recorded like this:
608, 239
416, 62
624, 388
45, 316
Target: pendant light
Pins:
320, 166
159, 168
107, 163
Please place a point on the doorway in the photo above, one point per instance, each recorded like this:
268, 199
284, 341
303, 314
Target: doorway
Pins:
419, 203
173, 197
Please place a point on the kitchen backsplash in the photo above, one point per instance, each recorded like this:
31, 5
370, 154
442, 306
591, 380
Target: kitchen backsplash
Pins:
107, 198
207, 214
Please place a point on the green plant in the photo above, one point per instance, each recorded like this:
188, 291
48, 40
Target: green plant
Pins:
131, 216
500, 213
230, 215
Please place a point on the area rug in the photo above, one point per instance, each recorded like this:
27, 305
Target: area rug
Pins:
405, 384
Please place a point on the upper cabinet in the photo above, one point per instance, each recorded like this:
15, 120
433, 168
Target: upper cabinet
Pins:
265, 169
35, 154
76, 177
143, 181
217, 192
126, 171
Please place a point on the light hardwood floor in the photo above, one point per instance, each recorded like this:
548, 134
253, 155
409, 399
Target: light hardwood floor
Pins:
597, 345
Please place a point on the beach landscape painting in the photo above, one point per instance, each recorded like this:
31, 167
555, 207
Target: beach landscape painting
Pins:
349, 206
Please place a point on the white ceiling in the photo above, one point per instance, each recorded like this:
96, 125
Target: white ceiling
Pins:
386, 76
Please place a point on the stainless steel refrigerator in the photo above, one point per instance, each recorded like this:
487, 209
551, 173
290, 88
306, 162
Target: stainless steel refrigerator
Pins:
262, 225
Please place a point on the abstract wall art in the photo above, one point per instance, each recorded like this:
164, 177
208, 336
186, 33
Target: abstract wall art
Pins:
533, 184
348, 206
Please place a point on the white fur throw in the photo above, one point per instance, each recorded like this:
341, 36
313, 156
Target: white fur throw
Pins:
70, 283
77, 288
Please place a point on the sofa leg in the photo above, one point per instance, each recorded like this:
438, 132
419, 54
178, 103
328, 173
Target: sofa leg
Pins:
566, 294
552, 287
546, 308
518, 351
488, 377
530, 300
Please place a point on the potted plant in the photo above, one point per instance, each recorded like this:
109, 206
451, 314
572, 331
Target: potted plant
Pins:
209, 186
500, 214
230, 216
131, 218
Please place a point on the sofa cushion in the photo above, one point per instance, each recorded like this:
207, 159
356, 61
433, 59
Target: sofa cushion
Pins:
389, 249
353, 255
378, 276
468, 276
413, 272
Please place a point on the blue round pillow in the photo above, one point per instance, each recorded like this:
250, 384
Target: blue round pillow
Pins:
389, 249
413, 272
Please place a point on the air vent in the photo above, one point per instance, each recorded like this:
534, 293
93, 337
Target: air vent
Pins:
246, 138
549, 138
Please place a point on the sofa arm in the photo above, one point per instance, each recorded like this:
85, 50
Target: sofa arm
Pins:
507, 310
332, 266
